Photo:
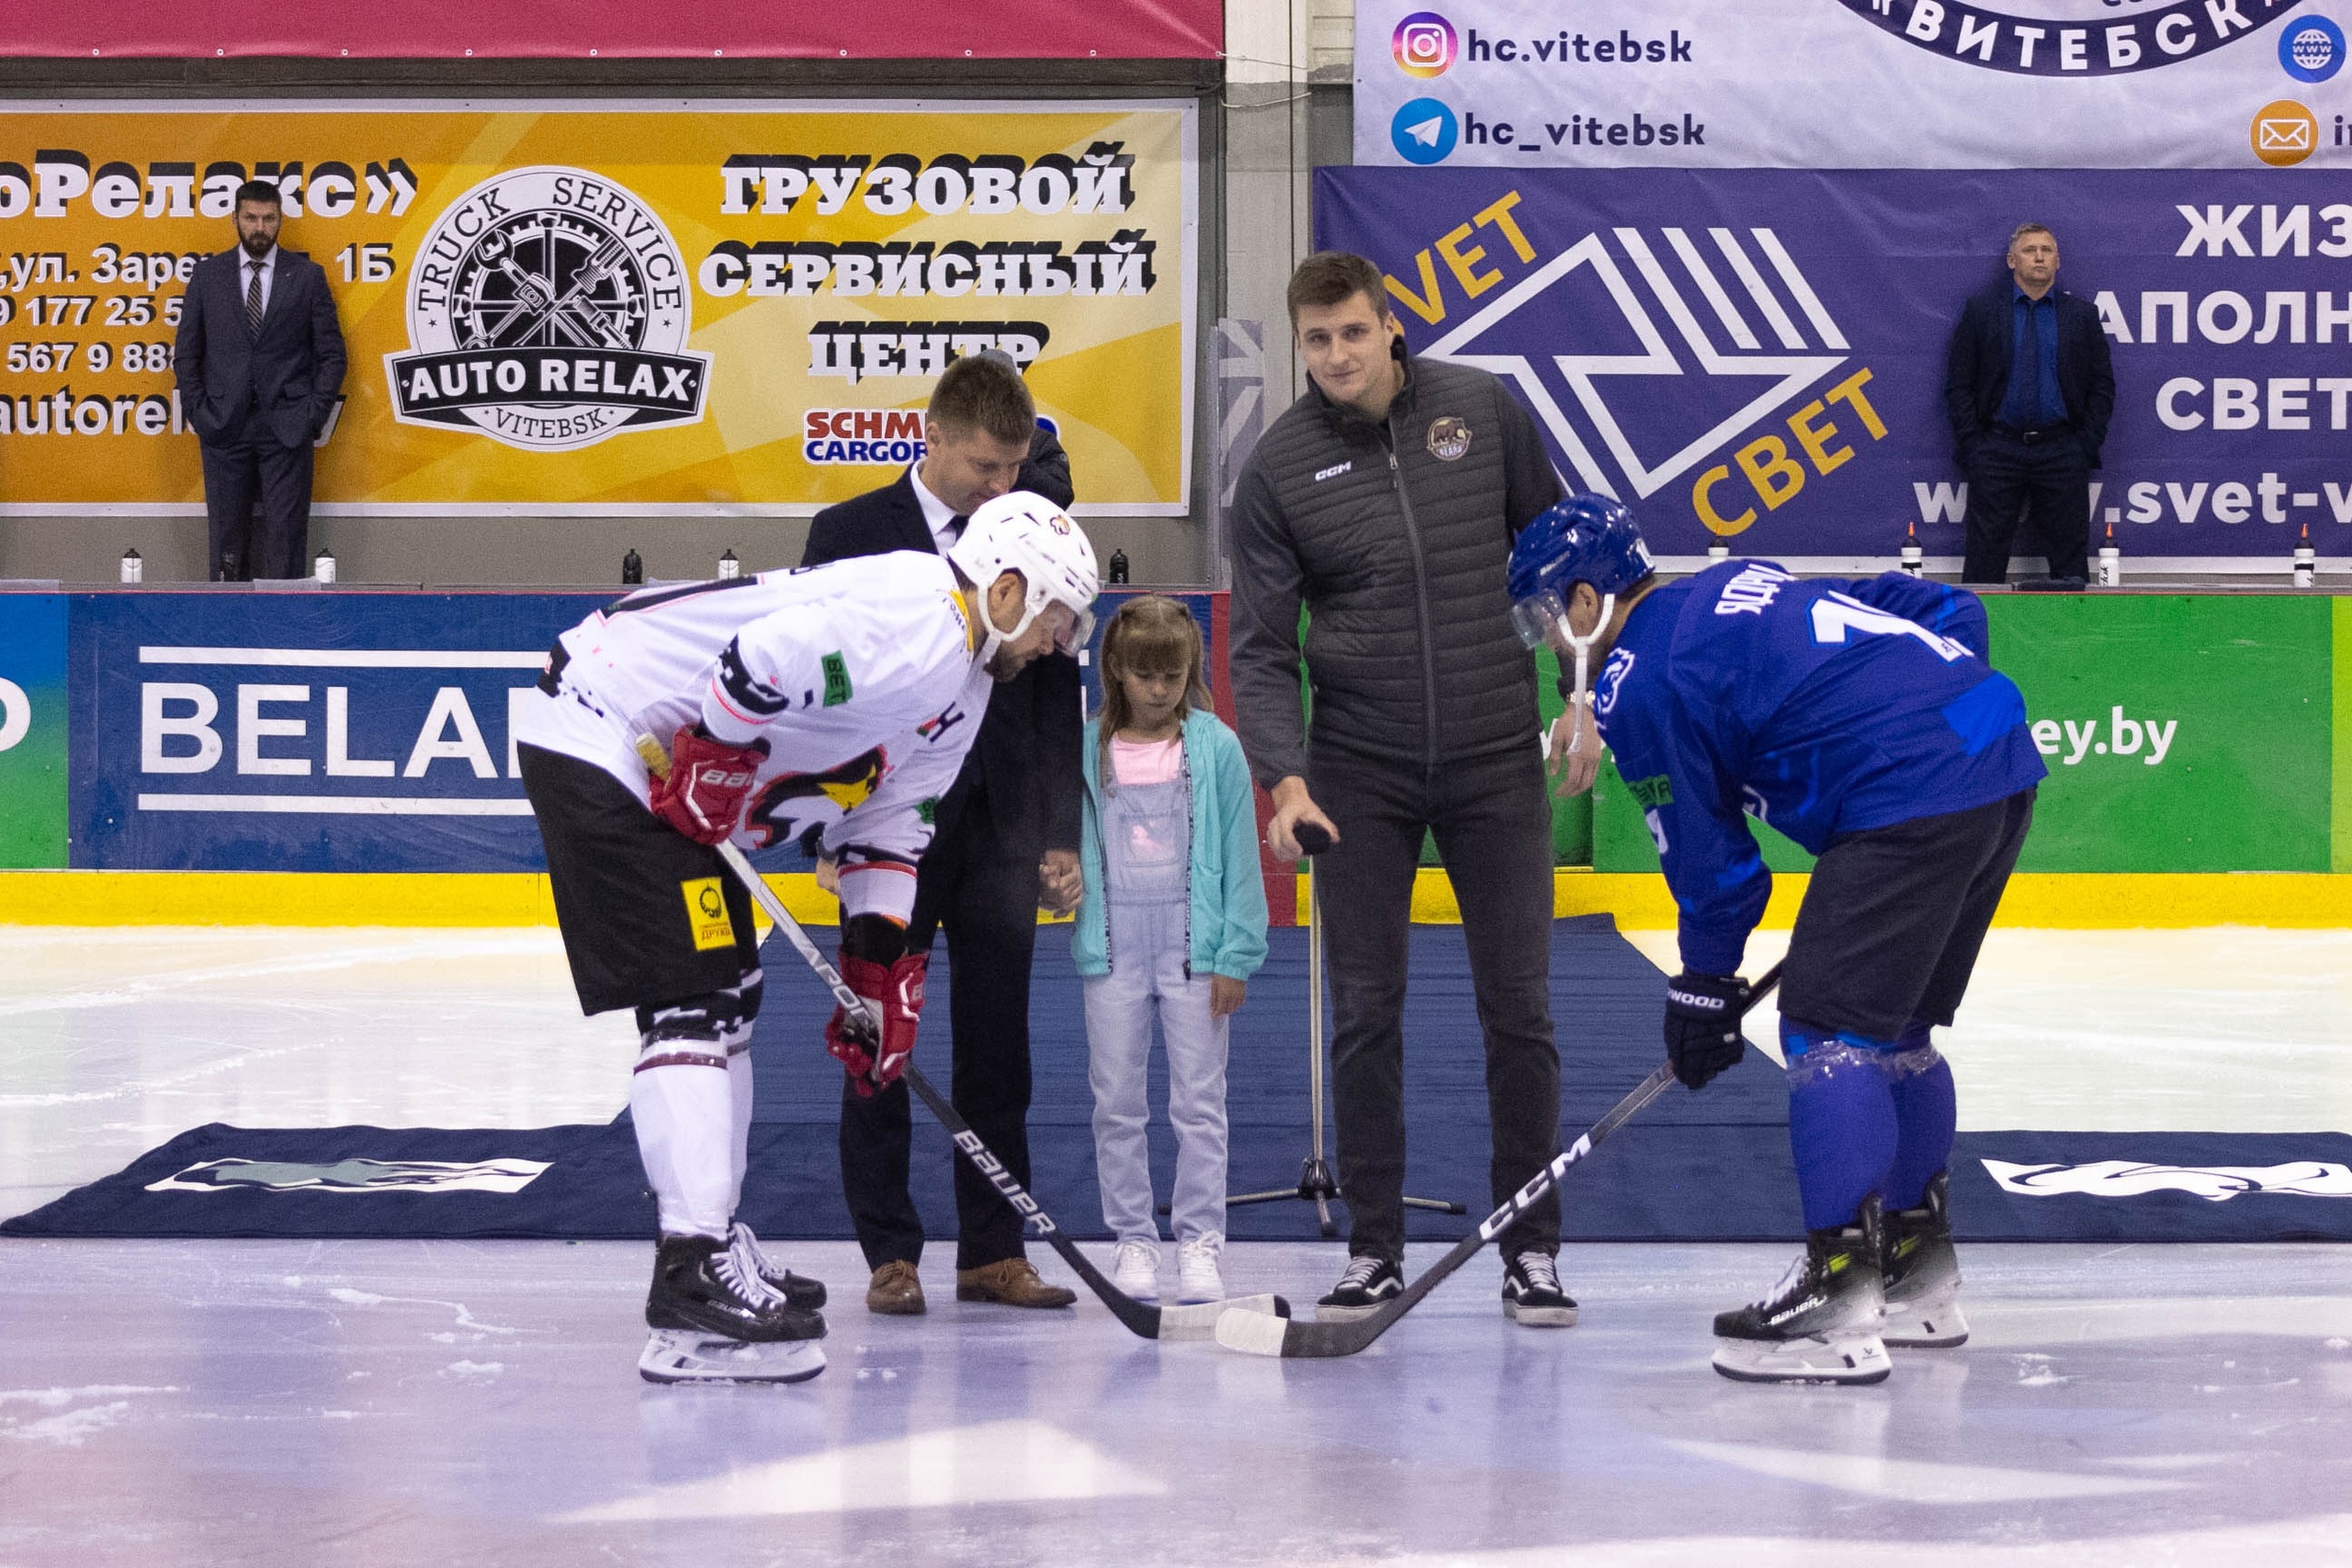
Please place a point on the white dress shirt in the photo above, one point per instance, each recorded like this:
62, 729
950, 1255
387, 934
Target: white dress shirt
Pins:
245, 264
937, 515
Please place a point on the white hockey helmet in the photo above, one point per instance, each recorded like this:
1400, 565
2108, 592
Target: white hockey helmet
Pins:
1025, 532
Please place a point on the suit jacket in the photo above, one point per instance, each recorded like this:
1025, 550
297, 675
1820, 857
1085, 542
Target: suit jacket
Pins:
1025, 758
1977, 370
278, 385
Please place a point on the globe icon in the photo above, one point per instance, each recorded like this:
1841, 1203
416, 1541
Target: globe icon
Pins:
2313, 50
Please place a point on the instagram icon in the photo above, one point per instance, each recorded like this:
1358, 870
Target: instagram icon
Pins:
1423, 44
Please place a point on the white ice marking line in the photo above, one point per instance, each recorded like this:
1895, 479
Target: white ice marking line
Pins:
53, 1398
1001, 1461
1917, 1481
337, 805
489, 944
348, 658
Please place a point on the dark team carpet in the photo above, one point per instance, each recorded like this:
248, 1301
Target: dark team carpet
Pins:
1713, 1166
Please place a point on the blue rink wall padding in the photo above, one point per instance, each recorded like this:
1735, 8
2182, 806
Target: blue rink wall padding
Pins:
1713, 1166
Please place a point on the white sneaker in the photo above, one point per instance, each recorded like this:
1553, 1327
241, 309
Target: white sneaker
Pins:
1198, 1278
1135, 1269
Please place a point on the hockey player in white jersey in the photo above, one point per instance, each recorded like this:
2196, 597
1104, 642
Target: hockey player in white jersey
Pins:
831, 706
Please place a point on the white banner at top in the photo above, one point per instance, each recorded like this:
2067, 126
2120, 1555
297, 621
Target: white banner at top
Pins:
1853, 84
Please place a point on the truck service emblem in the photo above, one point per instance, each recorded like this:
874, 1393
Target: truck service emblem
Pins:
548, 308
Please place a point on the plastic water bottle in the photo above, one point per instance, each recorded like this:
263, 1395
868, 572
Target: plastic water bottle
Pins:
133, 569
1914, 559
323, 567
632, 568
1118, 568
729, 566
2306, 559
1717, 550
2110, 562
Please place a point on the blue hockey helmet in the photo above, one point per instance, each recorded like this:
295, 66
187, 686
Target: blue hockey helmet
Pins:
1586, 538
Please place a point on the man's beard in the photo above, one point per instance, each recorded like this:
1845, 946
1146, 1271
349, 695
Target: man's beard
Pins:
257, 246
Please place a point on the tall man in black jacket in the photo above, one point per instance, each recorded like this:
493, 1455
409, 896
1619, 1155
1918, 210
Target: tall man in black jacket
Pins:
1006, 842
259, 362
1385, 501
2028, 386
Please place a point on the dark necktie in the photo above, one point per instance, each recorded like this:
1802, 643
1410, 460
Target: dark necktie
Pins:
2033, 360
955, 527
253, 298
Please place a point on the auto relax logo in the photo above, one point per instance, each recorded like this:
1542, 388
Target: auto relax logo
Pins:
2070, 37
548, 308
1717, 304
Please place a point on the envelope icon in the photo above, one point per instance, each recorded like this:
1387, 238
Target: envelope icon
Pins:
2283, 135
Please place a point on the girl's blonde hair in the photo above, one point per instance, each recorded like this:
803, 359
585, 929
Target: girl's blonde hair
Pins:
1150, 632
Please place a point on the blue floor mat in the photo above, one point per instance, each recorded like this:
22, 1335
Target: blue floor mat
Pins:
1692, 1167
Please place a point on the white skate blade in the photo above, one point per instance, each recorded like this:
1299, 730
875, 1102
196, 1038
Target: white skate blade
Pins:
681, 1355
1933, 1324
1848, 1358
1199, 1321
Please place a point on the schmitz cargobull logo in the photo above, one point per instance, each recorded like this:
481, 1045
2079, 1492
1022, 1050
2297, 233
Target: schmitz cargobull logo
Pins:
548, 308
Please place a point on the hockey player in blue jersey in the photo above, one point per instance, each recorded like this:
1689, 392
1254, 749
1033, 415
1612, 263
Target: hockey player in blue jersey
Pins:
1859, 719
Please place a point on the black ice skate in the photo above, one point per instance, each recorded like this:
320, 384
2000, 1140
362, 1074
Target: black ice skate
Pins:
1922, 1275
1822, 1323
714, 1320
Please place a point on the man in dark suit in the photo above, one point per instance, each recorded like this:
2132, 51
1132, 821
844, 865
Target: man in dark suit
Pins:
260, 364
2028, 386
1006, 843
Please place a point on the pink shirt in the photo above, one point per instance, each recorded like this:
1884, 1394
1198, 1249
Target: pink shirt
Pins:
1146, 761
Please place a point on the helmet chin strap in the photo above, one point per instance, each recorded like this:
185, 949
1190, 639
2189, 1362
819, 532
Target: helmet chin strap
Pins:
1582, 647
997, 640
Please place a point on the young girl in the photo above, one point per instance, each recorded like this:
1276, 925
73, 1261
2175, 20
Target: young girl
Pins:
1172, 925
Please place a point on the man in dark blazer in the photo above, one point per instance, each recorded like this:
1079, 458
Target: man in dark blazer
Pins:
1006, 843
2028, 386
260, 364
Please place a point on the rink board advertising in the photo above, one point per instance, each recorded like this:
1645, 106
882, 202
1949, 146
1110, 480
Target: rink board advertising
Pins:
625, 309
33, 730
1759, 356
1839, 84
2182, 734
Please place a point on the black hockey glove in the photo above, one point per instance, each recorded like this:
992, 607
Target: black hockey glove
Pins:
1702, 1035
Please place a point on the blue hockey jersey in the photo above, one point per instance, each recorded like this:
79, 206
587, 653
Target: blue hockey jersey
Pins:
1822, 706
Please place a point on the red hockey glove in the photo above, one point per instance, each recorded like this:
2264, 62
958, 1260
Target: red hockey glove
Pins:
709, 782
899, 988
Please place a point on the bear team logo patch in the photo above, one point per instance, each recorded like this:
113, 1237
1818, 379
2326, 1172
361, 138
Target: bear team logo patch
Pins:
1449, 439
548, 308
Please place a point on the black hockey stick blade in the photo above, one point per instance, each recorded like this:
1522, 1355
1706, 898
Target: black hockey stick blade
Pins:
1292, 1339
1195, 1322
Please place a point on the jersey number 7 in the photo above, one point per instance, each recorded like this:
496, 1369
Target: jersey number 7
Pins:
1835, 616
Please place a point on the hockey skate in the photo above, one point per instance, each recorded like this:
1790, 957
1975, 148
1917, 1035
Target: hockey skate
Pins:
714, 1320
1822, 1321
1922, 1275
797, 1290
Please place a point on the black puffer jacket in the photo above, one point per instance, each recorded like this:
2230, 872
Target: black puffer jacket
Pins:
1397, 537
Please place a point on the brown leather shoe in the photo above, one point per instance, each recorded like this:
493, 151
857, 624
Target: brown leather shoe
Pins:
1013, 1281
896, 1290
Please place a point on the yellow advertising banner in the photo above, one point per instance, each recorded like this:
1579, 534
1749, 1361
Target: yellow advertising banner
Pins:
609, 308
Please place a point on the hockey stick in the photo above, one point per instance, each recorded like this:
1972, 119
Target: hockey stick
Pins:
1269, 1337
1193, 1322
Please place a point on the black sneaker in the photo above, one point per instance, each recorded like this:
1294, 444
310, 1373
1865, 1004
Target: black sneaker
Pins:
1532, 1293
1822, 1321
1370, 1283
1922, 1275
699, 1284
797, 1290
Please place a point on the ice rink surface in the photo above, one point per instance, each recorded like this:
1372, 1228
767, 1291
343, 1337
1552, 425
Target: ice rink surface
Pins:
466, 1402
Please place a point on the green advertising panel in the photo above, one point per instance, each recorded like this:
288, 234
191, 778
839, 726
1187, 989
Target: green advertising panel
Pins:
2183, 733
32, 731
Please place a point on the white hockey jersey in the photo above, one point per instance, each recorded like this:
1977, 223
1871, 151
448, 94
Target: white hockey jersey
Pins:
862, 676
